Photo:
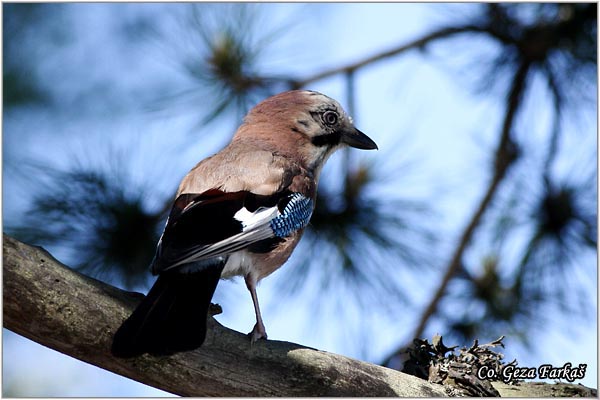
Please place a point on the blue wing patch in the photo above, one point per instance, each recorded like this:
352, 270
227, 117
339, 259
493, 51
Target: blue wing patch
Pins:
295, 215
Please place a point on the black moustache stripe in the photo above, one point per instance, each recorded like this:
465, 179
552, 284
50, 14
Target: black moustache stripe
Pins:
328, 139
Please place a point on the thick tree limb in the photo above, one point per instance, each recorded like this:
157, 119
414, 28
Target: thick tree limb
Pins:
77, 315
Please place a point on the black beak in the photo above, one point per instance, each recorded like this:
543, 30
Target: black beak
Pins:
357, 139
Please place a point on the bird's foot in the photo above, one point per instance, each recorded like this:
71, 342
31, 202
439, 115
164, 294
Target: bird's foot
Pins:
258, 332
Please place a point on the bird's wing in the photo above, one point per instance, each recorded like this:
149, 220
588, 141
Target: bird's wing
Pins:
215, 224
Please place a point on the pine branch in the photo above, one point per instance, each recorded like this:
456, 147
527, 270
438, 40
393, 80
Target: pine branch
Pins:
506, 154
419, 43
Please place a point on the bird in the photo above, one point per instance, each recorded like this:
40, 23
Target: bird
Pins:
239, 212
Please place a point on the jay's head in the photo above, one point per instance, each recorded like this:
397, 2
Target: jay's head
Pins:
303, 124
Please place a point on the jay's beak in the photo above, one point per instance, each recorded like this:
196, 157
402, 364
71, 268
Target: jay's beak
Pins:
355, 138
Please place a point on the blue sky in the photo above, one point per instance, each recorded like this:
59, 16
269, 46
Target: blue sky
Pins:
414, 107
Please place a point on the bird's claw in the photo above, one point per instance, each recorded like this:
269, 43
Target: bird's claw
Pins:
258, 332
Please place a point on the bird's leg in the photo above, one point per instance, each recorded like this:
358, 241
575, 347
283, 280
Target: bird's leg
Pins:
258, 332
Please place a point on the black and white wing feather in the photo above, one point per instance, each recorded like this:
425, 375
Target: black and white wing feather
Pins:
210, 226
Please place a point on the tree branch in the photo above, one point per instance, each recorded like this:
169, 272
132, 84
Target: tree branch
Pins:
506, 154
77, 315
419, 43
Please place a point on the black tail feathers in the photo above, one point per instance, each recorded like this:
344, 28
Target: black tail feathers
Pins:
172, 317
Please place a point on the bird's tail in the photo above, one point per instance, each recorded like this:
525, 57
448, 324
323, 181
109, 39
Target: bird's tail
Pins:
171, 318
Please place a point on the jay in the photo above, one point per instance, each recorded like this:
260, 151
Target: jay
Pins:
239, 212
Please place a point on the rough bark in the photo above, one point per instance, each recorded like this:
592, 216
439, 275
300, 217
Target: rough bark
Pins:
57, 307
541, 389
76, 315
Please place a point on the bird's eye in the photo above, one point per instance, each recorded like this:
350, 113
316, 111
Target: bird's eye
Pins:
330, 117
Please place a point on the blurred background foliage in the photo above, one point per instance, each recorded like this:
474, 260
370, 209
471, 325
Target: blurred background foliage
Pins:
522, 248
